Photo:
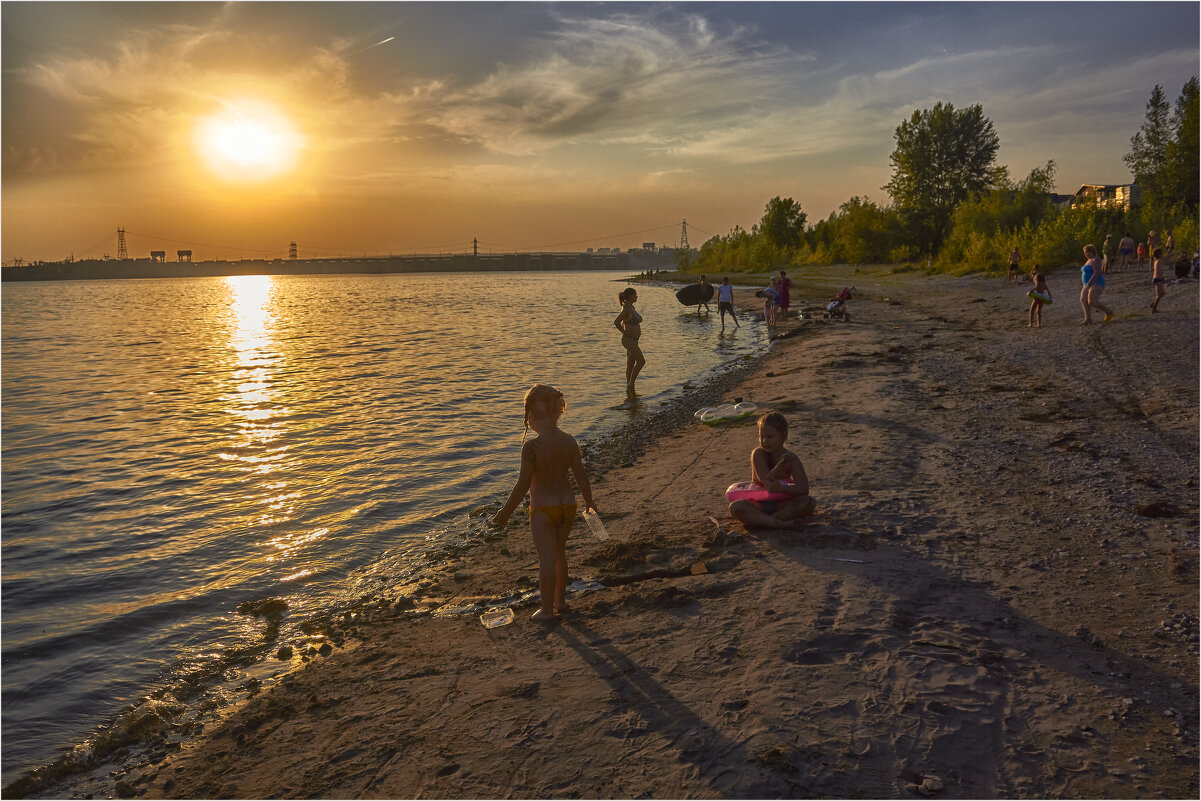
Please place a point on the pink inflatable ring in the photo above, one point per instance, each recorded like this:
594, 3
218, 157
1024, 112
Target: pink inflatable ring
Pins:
750, 491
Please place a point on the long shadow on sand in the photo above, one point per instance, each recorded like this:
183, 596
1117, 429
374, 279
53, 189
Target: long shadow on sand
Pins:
932, 586
721, 764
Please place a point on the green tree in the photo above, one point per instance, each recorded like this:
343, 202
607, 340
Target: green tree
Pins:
783, 223
1148, 147
1181, 174
943, 157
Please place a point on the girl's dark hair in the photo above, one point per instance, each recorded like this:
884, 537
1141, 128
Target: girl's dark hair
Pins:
626, 295
776, 421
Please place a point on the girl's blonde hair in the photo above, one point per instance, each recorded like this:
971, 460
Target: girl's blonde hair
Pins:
542, 394
776, 421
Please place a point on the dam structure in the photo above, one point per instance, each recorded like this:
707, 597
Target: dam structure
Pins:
157, 267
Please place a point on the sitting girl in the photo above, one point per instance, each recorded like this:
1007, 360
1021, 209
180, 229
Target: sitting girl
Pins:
771, 465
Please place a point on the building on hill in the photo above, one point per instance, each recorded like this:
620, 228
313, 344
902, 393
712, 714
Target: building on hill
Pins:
1121, 196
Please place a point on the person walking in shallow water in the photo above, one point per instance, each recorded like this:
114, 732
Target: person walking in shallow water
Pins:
1094, 284
725, 302
629, 323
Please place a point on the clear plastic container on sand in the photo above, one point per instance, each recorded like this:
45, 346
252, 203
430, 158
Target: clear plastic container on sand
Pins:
495, 618
595, 525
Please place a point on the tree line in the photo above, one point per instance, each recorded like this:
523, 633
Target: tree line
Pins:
955, 209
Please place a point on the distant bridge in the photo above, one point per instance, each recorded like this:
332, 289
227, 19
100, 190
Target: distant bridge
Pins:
156, 267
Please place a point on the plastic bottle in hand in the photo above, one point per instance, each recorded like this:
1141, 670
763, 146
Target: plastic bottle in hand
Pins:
595, 525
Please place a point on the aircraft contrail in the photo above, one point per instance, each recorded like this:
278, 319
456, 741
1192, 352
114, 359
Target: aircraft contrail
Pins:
377, 44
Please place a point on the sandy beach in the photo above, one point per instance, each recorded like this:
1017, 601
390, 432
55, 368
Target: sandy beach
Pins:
997, 596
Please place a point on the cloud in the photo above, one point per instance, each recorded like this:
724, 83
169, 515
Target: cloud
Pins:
661, 82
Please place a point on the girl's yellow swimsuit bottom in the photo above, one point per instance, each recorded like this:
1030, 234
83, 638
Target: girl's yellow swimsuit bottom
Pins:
563, 513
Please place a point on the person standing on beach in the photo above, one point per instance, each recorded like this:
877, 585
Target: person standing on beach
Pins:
1094, 285
777, 470
629, 323
1154, 243
725, 302
784, 284
545, 462
771, 299
703, 303
1015, 271
1169, 242
1157, 281
1125, 248
1106, 254
1036, 303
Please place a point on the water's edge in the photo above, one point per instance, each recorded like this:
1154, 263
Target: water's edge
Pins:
187, 704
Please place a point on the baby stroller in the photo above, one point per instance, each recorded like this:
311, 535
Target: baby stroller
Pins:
836, 309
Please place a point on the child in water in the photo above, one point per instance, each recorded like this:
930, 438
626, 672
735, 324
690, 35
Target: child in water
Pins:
1036, 305
545, 462
771, 465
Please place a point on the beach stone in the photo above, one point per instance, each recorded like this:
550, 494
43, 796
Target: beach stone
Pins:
285, 652
263, 607
326, 649
930, 785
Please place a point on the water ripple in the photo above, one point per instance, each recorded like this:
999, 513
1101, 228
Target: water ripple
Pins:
173, 448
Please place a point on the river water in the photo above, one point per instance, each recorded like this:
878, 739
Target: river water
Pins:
174, 448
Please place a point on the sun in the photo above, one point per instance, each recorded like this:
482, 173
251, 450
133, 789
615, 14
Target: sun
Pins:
248, 141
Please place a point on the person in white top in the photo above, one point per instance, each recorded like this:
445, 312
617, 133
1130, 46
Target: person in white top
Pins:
725, 302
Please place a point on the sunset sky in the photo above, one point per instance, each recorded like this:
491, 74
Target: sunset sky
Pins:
233, 129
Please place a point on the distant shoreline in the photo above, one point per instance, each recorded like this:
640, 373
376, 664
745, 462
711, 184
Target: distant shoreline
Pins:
89, 269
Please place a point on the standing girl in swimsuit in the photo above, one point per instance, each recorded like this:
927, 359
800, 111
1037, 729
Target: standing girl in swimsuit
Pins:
1036, 304
545, 462
629, 323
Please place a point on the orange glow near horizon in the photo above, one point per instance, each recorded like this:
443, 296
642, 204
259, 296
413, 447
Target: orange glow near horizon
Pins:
248, 141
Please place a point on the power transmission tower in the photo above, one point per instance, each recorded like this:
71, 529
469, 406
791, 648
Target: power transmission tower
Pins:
291, 250
683, 235
122, 251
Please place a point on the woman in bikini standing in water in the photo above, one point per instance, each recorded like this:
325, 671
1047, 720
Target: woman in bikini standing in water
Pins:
629, 323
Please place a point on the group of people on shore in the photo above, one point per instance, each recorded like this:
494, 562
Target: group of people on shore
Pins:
1092, 274
775, 296
552, 455
1142, 252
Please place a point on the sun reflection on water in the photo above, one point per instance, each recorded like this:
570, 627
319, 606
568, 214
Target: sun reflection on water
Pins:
253, 400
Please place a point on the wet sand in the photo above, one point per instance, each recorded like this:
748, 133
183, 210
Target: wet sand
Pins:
997, 596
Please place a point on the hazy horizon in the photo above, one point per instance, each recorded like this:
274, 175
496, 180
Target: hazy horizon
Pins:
233, 129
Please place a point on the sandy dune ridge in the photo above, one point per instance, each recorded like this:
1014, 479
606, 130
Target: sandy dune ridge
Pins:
997, 596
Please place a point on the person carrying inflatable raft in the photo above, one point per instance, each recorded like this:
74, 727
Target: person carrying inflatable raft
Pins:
778, 494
